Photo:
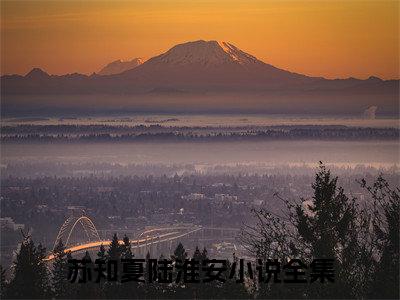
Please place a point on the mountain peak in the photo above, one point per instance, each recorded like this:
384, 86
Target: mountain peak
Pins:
206, 53
374, 78
119, 66
37, 73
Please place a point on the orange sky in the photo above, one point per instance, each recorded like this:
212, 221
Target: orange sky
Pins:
334, 39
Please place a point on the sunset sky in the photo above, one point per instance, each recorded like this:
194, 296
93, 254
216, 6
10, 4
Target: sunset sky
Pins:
334, 39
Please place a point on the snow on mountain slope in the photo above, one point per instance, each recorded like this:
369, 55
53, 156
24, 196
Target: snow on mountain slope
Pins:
120, 66
206, 53
208, 63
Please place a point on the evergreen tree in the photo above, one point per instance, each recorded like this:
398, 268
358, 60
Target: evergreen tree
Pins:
71, 290
61, 284
31, 277
327, 221
328, 228
115, 250
179, 253
126, 249
386, 224
130, 289
194, 290
102, 252
197, 254
43, 271
102, 255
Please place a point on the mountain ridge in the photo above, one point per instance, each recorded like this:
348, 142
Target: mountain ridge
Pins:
203, 68
140, 61
119, 66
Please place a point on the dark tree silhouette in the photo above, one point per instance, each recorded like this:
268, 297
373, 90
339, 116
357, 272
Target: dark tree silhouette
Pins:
114, 253
31, 277
126, 250
197, 254
61, 285
386, 229
102, 252
327, 226
115, 250
179, 253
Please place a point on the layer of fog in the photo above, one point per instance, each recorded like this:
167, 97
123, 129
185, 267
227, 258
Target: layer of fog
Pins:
367, 153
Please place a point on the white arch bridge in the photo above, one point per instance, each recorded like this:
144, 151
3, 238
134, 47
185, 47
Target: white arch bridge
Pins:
145, 241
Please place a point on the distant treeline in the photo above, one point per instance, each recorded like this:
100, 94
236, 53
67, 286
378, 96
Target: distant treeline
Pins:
100, 133
90, 128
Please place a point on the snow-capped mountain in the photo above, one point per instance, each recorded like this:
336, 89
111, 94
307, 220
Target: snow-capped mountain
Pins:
202, 74
120, 66
206, 53
209, 63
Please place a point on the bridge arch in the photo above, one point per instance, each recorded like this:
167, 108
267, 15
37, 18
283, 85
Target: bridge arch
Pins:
70, 224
